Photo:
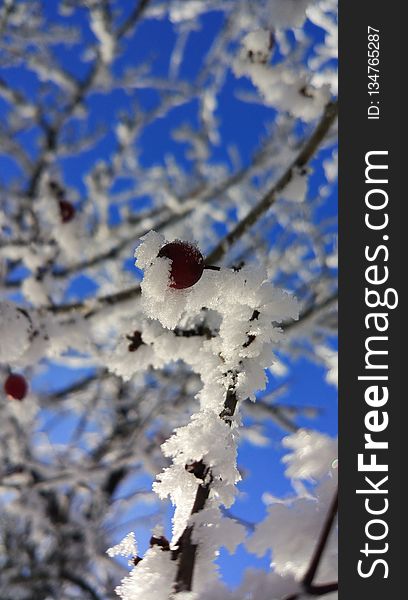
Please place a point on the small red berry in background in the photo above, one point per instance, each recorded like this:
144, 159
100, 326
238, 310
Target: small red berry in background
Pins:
187, 263
15, 386
67, 211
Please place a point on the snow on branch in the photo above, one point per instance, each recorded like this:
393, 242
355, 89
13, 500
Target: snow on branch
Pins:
245, 309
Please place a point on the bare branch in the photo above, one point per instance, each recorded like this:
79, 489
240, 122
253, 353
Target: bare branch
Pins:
307, 580
300, 161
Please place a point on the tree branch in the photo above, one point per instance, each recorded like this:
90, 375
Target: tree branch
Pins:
132, 19
186, 550
81, 583
300, 161
307, 580
311, 311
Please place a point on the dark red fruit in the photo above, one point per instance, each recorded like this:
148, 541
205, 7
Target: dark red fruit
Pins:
67, 211
15, 386
187, 263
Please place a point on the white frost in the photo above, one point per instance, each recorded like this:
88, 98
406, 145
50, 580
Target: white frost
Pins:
127, 547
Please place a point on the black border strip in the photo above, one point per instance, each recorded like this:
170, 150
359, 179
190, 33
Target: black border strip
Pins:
358, 135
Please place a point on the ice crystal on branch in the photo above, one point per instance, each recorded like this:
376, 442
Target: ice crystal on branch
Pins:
16, 329
312, 455
127, 547
203, 473
291, 524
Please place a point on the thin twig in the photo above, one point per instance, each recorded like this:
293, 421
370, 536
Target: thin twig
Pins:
81, 583
243, 226
300, 161
186, 550
307, 584
311, 312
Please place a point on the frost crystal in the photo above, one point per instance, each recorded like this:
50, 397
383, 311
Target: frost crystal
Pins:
224, 327
15, 330
291, 524
258, 45
312, 454
286, 90
127, 547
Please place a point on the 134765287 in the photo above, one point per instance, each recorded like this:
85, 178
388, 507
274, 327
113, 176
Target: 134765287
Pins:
373, 72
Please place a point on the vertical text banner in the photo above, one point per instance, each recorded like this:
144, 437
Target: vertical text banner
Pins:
373, 239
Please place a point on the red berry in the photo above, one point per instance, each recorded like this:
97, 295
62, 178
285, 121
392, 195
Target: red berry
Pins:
15, 386
187, 263
67, 211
